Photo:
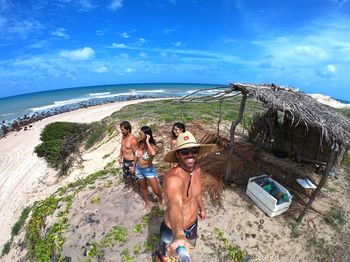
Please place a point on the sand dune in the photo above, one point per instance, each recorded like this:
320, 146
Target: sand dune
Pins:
21, 170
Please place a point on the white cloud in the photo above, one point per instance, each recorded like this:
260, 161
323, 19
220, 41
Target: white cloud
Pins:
116, 4
86, 5
177, 44
60, 33
78, 54
125, 35
328, 72
129, 70
143, 55
167, 31
101, 69
121, 45
141, 41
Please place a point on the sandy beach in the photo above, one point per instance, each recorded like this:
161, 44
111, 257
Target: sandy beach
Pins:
21, 170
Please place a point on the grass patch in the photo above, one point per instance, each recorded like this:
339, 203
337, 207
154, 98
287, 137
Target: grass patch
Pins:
116, 235
346, 161
6, 248
95, 200
19, 224
168, 111
336, 218
233, 252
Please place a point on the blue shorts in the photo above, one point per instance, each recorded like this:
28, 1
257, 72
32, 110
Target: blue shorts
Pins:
166, 236
147, 172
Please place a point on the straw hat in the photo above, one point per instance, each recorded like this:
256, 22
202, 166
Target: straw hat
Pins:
186, 140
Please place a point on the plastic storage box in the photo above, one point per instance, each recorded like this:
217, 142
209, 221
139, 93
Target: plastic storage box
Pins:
269, 195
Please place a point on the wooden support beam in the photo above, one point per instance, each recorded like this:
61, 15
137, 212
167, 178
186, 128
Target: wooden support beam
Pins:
329, 166
234, 124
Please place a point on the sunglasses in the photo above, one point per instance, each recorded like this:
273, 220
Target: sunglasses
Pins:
186, 151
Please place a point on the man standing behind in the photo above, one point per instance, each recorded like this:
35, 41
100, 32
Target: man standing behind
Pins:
127, 151
183, 196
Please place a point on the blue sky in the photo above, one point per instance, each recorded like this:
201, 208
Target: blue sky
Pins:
55, 44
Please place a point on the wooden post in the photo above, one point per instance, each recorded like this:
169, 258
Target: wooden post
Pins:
329, 166
219, 121
234, 124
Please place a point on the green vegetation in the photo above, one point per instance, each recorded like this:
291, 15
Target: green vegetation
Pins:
6, 248
233, 252
106, 155
59, 141
95, 200
116, 235
344, 111
97, 132
126, 255
16, 228
137, 248
143, 224
19, 224
167, 111
40, 211
336, 218
296, 231
346, 161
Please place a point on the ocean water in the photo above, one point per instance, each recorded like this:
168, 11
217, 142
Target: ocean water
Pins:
12, 108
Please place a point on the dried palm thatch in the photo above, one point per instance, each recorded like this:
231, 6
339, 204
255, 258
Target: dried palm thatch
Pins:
302, 108
334, 127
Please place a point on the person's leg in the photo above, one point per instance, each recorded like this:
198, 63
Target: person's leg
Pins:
165, 239
156, 189
144, 191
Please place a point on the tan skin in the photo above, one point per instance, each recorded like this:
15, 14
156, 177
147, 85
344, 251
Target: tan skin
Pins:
127, 148
182, 210
145, 145
177, 131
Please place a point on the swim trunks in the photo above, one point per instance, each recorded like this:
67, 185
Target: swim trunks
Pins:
166, 236
127, 164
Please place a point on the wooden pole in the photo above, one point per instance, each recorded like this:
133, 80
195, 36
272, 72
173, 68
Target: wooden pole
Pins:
234, 124
219, 121
329, 166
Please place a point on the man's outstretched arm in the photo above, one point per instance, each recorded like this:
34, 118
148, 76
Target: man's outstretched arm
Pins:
173, 192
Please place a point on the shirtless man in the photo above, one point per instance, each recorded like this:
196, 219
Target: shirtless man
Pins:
127, 151
183, 197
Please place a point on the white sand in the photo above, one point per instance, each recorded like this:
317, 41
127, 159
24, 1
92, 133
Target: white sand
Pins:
327, 100
21, 170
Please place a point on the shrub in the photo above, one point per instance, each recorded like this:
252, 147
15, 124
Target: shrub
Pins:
59, 141
98, 130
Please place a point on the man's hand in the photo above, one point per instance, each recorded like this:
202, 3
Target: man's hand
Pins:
179, 241
202, 214
120, 161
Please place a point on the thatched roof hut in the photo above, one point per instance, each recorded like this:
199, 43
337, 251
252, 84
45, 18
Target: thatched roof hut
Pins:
302, 109
303, 117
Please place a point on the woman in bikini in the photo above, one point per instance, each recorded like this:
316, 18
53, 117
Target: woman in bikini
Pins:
178, 128
143, 168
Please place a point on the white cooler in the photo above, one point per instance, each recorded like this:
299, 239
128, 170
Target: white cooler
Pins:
264, 199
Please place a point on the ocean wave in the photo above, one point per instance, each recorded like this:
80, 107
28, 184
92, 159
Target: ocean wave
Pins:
99, 94
8, 114
93, 98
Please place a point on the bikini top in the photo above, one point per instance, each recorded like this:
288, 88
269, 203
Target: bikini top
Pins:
145, 156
